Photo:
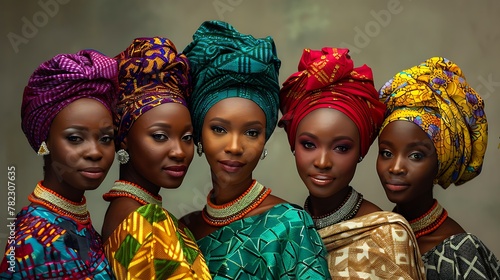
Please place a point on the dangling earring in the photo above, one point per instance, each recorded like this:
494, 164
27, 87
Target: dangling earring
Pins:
293, 152
43, 150
199, 149
360, 159
122, 156
264, 154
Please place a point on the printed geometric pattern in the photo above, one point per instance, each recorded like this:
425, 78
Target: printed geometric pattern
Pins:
278, 244
379, 245
48, 246
149, 245
461, 256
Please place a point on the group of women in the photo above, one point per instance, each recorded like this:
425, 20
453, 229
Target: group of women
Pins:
221, 96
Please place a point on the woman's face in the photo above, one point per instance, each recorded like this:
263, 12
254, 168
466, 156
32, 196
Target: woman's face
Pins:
407, 162
81, 148
160, 145
327, 150
233, 138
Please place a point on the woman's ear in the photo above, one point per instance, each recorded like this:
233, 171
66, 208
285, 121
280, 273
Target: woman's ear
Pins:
123, 144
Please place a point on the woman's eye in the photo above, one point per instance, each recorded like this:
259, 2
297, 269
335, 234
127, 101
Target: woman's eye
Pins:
386, 154
218, 129
160, 137
252, 133
107, 139
308, 145
187, 138
342, 149
74, 138
416, 156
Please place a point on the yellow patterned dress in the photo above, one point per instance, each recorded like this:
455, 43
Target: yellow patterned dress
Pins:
380, 245
148, 244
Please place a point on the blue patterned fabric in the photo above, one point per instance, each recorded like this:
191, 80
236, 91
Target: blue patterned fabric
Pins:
48, 246
278, 244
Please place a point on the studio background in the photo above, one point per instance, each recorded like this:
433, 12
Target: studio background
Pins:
387, 35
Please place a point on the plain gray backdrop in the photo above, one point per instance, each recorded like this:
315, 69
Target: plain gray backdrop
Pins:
387, 35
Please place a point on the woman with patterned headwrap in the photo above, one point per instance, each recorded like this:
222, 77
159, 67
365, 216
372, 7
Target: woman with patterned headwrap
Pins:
331, 114
244, 231
435, 132
155, 148
66, 116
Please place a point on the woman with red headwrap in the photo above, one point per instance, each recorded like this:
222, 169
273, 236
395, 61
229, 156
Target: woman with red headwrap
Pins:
331, 114
66, 116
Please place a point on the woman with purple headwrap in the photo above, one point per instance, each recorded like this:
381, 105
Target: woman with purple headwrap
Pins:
435, 132
66, 116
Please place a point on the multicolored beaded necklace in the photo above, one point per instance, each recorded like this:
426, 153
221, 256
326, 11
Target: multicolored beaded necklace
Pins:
346, 211
221, 215
122, 188
60, 205
430, 221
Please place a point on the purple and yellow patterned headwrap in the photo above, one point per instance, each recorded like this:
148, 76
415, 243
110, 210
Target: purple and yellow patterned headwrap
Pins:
150, 73
58, 82
435, 96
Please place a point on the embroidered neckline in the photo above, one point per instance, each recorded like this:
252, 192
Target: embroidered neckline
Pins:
122, 188
221, 215
58, 204
347, 210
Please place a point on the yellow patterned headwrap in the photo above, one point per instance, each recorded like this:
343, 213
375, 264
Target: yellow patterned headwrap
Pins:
435, 96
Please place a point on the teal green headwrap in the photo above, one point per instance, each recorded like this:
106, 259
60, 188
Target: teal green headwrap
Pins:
226, 63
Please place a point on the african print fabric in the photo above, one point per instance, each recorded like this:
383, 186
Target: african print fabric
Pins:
380, 245
49, 246
461, 256
148, 244
278, 244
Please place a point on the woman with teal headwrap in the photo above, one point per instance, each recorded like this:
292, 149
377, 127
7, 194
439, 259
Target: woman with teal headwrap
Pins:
243, 231
435, 132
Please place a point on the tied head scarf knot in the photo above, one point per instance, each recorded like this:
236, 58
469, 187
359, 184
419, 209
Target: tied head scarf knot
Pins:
225, 64
58, 82
327, 78
435, 96
150, 73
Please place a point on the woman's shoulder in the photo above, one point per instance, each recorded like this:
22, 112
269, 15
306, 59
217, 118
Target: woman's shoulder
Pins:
463, 255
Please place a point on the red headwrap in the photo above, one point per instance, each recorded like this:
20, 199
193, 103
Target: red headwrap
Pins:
328, 79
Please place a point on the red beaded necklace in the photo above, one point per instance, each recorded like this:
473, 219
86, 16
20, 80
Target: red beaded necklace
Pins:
222, 215
60, 205
430, 221
122, 188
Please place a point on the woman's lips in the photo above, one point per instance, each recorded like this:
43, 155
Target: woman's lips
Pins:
176, 171
231, 166
321, 180
396, 187
93, 173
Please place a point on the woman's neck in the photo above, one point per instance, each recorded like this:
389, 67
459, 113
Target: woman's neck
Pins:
415, 209
128, 173
226, 191
320, 206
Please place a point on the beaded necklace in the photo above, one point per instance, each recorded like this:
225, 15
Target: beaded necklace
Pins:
221, 215
346, 211
60, 205
430, 221
122, 188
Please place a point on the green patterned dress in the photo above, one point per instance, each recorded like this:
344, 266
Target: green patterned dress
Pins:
281, 243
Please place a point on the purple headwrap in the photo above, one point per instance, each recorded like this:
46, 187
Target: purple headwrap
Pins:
61, 80
151, 73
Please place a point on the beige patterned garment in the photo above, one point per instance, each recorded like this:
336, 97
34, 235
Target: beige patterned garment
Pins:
380, 245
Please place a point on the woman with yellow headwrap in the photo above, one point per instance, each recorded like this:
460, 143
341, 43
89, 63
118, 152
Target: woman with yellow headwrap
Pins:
435, 132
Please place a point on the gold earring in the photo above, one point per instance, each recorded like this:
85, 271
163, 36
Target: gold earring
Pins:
43, 150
